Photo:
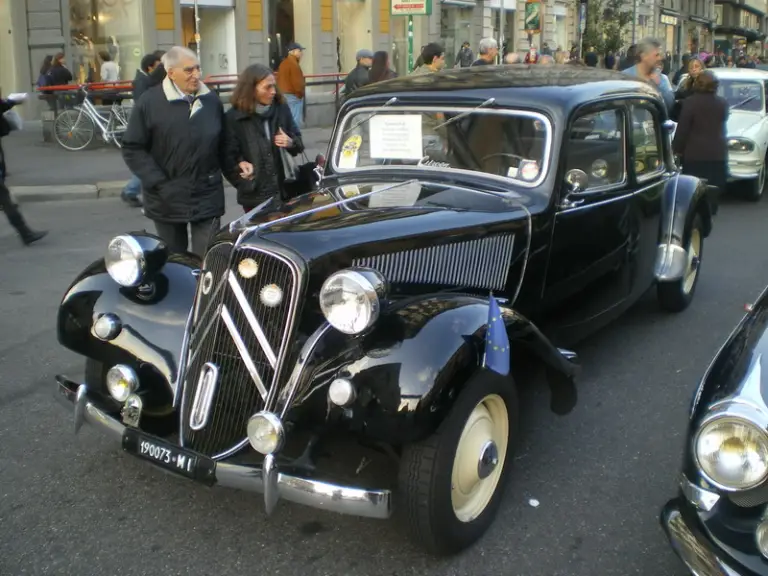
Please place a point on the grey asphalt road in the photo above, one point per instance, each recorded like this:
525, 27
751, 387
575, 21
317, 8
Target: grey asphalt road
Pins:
77, 506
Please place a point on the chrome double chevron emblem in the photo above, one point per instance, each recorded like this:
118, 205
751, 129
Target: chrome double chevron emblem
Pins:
257, 331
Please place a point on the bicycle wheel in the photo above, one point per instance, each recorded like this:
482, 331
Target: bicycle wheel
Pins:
73, 130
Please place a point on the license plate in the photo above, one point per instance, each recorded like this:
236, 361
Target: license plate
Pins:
170, 457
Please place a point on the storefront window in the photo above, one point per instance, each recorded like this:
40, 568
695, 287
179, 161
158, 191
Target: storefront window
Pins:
111, 26
456, 28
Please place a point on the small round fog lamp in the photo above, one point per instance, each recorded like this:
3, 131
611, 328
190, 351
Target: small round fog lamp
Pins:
121, 382
761, 537
265, 432
248, 268
342, 392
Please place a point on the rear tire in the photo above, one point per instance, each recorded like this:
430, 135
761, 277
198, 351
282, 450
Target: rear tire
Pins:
451, 484
677, 295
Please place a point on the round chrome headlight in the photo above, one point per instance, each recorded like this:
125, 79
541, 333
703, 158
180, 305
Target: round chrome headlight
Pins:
349, 299
125, 261
732, 453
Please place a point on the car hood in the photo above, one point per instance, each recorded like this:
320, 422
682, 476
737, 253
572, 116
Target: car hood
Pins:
742, 124
482, 248
357, 228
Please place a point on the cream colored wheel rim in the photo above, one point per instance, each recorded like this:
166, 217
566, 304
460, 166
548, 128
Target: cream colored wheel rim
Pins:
694, 259
479, 458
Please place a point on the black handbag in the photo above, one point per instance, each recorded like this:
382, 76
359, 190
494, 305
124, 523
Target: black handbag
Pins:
303, 176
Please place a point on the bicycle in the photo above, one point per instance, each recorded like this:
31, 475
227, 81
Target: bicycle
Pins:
74, 129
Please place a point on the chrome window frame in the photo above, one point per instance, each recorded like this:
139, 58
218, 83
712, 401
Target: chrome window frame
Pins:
545, 163
587, 192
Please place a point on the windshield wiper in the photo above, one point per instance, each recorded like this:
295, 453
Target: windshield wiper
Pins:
744, 102
373, 113
488, 102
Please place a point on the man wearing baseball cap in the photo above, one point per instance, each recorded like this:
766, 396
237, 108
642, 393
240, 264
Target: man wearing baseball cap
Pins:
359, 75
290, 81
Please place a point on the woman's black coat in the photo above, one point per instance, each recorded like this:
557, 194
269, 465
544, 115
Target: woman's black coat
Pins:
245, 138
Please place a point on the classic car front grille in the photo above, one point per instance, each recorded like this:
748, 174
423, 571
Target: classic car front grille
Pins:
243, 337
482, 263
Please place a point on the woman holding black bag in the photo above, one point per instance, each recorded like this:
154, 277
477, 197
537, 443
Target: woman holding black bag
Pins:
261, 141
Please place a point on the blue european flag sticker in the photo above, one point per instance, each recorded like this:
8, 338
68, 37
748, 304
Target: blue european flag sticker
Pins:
496, 340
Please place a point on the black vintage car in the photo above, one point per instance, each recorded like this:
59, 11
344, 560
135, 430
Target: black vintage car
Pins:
718, 524
334, 350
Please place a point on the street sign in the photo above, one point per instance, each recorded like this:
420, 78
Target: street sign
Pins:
411, 7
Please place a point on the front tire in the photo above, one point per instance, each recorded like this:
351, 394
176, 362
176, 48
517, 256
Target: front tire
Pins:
754, 191
73, 130
677, 295
452, 483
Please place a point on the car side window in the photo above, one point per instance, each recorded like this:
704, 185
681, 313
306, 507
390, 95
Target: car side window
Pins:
596, 146
646, 138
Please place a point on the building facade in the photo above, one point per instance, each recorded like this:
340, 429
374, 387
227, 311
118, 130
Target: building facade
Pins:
741, 26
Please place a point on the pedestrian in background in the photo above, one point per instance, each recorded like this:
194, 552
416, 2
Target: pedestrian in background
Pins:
433, 56
649, 67
488, 49
512, 58
291, 83
380, 69
174, 144
465, 56
700, 136
12, 212
59, 73
131, 194
358, 76
259, 125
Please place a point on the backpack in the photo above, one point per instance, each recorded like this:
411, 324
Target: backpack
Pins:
44, 80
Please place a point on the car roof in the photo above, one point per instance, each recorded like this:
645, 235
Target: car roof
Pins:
534, 86
739, 73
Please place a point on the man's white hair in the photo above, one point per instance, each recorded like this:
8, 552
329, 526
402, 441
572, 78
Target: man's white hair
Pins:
174, 57
487, 44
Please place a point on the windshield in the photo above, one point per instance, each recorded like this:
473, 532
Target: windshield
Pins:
742, 94
508, 144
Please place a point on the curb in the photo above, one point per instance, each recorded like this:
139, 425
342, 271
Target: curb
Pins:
30, 194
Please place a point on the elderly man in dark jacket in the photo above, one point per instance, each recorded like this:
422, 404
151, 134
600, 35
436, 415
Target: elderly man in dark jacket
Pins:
174, 144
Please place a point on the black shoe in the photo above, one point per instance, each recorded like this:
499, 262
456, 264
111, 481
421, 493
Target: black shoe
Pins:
31, 236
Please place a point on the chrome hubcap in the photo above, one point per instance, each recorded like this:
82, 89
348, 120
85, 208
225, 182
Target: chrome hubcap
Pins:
489, 459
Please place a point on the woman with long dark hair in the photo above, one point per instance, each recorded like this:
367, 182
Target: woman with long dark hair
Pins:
700, 136
259, 125
380, 69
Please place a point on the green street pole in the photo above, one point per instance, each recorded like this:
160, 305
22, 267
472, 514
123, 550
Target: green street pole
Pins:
410, 44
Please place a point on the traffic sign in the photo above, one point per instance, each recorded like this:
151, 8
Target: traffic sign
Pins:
411, 7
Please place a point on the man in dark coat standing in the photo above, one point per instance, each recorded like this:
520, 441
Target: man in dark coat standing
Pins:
174, 144
358, 76
141, 83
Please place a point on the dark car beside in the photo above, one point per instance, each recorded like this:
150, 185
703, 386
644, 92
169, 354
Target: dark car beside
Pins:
717, 524
350, 349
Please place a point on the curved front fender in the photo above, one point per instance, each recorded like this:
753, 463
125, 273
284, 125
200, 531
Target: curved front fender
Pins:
684, 196
153, 321
410, 368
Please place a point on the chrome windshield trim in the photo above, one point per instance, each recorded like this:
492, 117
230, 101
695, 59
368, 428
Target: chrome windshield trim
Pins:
251, 318
336, 145
247, 360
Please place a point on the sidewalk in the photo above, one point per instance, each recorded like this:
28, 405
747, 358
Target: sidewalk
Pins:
40, 171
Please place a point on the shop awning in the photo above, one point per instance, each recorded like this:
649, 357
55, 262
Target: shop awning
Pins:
459, 3
750, 34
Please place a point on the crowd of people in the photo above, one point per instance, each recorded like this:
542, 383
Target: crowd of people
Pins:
180, 144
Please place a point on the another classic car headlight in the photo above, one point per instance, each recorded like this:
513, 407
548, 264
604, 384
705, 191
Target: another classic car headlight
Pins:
350, 301
732, 452
122, 381
265, 432
740, 145
125, 261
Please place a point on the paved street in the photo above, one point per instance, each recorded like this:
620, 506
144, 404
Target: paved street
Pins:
77, 506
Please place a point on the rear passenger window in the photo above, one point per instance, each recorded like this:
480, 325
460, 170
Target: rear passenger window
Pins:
596, 146
646, 137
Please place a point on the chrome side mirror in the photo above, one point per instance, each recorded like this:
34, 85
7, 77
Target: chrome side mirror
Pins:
575, 181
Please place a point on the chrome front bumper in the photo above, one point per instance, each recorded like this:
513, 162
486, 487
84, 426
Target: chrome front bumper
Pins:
268, 481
